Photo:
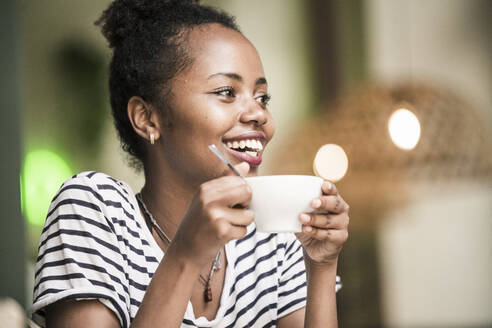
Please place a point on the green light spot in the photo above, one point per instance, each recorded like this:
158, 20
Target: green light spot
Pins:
43, 172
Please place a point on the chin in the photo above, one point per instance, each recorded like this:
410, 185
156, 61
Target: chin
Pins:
253, 171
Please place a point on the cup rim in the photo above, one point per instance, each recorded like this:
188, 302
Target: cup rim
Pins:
284, 175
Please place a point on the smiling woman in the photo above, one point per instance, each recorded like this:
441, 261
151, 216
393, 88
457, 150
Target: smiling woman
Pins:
184, 251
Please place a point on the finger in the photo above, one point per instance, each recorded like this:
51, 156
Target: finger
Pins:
238, 196
332, 203
228, 190
243, 168
223, 183
237, 217
324, 221
336, 236
226, 231
329, 188
238, 232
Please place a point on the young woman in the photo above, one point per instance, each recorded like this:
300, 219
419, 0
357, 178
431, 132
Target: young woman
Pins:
184, 252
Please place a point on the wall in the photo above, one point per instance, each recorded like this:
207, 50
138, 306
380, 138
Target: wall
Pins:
435, 255
435, 252
12, 243
447, 42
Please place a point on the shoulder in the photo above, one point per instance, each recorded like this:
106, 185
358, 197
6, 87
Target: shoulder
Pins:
92, 245
96, 181
87, 200
93, 187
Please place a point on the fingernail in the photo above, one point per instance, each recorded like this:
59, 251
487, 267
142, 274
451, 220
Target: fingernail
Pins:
308, 229
304, 218
316, 203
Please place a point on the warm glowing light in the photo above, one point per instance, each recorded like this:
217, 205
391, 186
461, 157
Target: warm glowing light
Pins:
404, 129
43, 172
330, 162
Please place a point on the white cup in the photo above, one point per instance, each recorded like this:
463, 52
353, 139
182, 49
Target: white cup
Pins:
279, 199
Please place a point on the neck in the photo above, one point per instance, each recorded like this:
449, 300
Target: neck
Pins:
166, 196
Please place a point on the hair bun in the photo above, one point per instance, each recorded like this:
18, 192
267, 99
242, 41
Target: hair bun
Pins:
123, 17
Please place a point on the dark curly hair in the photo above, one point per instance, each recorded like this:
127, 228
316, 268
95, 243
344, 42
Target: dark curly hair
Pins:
147, 38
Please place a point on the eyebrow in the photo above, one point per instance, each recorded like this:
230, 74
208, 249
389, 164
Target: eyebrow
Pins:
238, 77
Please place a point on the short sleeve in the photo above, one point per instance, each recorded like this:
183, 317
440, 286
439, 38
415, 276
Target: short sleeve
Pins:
292, 281
78, 255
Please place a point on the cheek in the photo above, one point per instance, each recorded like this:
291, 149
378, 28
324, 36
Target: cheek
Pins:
204, 122
218, 120
270, 127
215, 116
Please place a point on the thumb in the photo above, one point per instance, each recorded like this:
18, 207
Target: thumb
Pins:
242, 167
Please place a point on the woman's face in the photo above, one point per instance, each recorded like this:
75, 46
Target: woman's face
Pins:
221, 99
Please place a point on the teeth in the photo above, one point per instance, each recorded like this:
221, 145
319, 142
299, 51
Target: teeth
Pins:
254, 144
252, 153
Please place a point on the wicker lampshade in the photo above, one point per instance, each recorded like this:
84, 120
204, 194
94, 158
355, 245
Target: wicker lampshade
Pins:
454, 143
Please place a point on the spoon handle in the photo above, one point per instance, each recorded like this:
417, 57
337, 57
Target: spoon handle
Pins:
224, 160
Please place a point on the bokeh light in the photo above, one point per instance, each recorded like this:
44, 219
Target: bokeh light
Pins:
43, 172
404, 129
331, 162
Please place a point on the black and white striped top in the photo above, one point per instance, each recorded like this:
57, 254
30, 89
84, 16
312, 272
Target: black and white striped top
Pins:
96, 245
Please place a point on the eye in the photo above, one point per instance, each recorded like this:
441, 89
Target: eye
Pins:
264, 99
227, 92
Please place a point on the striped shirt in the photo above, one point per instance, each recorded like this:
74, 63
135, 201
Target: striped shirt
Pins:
96, 245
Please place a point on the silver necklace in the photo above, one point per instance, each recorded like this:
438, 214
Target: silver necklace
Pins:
207, 293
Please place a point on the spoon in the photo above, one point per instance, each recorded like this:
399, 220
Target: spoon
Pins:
224, 160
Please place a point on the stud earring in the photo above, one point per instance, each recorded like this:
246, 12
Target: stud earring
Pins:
152, 139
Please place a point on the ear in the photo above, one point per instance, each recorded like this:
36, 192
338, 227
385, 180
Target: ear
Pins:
144, 118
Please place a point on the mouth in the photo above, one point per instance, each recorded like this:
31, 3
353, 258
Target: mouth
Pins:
246, 147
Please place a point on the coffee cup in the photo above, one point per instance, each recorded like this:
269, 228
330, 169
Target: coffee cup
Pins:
277, 200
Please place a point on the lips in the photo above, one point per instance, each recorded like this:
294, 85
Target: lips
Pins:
247, 147
245, 157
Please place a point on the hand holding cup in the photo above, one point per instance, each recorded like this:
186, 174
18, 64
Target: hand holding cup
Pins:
325, 229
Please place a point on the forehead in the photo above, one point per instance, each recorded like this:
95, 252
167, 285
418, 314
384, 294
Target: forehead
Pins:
215, 48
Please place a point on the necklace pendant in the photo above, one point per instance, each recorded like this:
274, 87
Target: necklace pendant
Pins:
207, 295
217, 265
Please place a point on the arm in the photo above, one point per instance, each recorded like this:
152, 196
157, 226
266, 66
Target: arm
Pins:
323, 236
320, 310
78, 314
172, 278
210, 222
321, 307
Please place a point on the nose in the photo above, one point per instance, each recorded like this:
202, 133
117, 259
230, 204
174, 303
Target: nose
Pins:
253, 112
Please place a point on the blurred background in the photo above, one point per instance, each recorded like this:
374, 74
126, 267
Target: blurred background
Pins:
419, 181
